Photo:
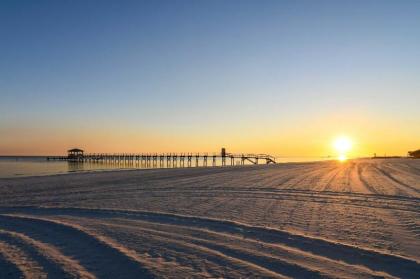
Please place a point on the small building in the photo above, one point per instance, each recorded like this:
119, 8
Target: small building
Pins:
223, 153
414, 154
75, 154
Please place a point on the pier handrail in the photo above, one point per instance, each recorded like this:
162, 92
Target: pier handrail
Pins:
251, 157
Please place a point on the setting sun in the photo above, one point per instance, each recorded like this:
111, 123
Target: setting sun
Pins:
342, 144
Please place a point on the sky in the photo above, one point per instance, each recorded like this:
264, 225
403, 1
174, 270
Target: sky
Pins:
278, 77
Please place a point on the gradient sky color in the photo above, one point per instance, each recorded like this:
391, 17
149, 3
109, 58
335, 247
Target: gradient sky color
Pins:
279, 77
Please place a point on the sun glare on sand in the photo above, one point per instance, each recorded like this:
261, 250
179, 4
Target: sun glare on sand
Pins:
342, 145
342, 157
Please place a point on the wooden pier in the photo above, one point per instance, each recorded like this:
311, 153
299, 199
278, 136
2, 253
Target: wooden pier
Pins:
168, 159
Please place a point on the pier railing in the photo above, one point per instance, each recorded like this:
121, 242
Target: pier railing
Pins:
171, 159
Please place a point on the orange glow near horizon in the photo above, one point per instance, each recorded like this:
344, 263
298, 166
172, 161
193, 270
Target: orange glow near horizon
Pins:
322, 138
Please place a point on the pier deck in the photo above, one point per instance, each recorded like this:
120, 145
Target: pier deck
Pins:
171, 159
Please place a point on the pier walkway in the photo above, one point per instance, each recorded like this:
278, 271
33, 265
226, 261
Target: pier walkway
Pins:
171, 159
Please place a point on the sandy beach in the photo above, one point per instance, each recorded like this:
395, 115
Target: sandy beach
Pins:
358, 219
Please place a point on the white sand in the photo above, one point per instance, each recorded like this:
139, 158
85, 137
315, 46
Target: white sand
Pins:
358, 219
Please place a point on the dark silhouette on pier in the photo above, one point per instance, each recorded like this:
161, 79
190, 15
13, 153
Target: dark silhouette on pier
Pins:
75, 154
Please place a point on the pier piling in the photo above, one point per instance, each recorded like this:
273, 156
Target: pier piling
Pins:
155, 160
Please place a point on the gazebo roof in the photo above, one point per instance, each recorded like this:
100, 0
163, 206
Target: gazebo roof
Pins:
75, 150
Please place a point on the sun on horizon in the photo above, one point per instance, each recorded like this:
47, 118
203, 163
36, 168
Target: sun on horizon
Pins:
342, 145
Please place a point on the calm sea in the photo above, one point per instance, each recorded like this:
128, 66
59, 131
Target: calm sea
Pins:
14, 166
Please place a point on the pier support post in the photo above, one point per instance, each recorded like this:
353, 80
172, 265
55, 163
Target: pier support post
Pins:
189, 159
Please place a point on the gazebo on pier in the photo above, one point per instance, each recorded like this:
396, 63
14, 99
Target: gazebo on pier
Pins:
75, 154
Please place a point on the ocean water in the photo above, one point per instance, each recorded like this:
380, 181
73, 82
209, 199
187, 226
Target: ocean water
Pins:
19, 166
36, 166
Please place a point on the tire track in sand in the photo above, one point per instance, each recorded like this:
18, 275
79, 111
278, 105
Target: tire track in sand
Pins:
376, 261
399, 182
95, 256
8, 269
26, 267
274, 257
34, 256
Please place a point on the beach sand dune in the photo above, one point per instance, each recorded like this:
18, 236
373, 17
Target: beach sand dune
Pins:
357, 219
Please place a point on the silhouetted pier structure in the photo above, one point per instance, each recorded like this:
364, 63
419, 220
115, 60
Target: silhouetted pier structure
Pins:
168, 159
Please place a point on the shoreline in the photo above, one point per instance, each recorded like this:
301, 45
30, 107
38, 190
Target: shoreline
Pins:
144, 168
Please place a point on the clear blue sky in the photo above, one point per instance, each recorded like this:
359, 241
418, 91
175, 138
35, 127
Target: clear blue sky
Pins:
258, 74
